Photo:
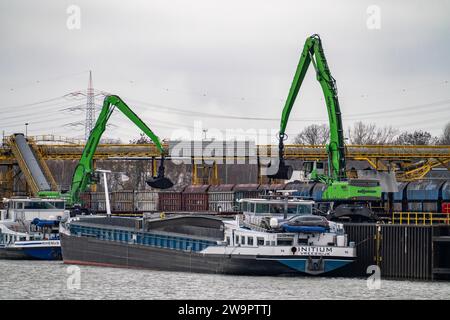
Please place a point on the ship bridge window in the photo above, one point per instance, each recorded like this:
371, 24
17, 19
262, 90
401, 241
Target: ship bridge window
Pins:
243, 240
39, 205
228, 241
279, 208
260, 241
304, 209
18, 205
284, 242
58, 204
244, 206
262, 208
250, 241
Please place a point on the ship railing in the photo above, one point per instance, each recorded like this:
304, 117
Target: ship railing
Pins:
420, 218
252, 226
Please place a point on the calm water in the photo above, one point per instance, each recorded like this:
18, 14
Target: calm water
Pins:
48, 280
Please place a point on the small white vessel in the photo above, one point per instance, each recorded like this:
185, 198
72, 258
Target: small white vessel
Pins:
29, 228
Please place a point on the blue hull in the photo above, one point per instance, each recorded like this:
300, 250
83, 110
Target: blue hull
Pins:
45, 253
306, 266
40, 253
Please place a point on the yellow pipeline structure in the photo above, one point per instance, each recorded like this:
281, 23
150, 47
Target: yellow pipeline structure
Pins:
409, 162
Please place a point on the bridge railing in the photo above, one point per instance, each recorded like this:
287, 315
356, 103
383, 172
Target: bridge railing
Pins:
56, 138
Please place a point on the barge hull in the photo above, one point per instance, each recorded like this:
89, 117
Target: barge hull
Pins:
91, 251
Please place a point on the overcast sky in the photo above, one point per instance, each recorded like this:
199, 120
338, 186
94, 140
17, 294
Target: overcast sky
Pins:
222, 57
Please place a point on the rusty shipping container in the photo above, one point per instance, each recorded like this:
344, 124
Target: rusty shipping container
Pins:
241, 191
85, 198
195, 198
170, 201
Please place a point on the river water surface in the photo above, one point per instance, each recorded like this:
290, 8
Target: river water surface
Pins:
54, 280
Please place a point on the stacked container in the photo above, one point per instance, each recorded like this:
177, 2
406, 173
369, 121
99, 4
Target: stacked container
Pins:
400, 198
170, 201
266, 189
195, 198
98, 203
85, 198
303, 189
146, 201
446, 197
221, 198
122, 201
317, 191
242, 191
423, 195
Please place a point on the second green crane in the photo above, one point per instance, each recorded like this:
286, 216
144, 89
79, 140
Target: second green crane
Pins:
339, 188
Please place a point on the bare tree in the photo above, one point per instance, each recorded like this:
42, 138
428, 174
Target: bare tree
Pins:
142, 168
445, 138
417, 137
313, 135
369, 134
143, 139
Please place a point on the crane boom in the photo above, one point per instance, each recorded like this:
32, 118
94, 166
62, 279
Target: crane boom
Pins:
313, 53
84, 173
339, 188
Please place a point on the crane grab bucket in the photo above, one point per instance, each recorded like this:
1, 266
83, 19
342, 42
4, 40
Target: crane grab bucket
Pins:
284, 172
160, 181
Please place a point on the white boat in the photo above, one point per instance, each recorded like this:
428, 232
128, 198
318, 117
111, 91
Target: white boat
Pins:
29, 228
283, 229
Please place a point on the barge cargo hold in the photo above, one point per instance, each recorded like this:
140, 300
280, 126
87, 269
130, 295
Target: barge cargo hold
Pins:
196, 244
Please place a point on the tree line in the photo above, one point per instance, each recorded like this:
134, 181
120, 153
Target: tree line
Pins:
370, 134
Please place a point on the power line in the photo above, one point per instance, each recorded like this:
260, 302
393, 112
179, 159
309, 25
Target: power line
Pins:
205, 93
52, 101
47, 120
39, 111
391, 110
236, 117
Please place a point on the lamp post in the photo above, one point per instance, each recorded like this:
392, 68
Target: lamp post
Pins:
26, 129
108, 207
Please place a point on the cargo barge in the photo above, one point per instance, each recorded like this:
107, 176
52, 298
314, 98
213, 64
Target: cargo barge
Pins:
208, 244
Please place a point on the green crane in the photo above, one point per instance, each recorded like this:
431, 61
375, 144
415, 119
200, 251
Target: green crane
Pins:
84, 174
339, 188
